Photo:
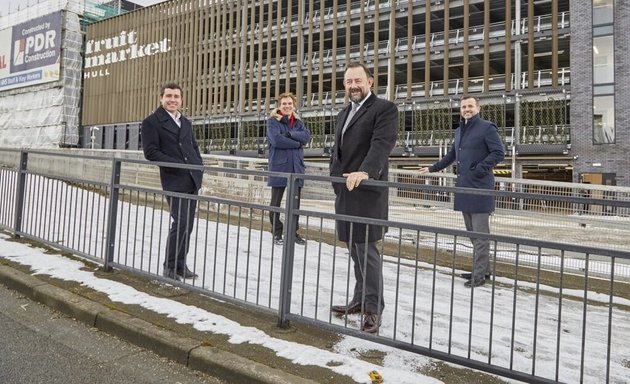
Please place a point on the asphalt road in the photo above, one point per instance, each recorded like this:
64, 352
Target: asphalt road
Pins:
38, 345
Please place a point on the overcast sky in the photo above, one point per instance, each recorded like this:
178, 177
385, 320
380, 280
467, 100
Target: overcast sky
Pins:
14, 5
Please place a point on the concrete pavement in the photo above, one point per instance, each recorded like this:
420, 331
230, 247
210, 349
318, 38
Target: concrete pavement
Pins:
41, 345
181, 343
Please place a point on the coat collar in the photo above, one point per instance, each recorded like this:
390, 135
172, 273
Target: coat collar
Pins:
162, 114
364, 107
276, 114
473, 120
367, 102
168, 123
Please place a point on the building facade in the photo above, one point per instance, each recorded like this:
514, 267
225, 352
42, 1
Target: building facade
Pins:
521, 58
600, 63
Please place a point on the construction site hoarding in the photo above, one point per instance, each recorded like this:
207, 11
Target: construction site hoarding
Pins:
40, 78
30, 52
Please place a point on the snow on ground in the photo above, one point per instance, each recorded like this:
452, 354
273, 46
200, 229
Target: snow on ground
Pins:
425, 306
343, 363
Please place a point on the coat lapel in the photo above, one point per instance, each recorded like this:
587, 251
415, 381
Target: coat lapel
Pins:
185, 130
340, 122
356, 116
167, 121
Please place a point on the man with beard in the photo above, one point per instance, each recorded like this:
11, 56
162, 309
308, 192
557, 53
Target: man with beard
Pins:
477, 148
365, 136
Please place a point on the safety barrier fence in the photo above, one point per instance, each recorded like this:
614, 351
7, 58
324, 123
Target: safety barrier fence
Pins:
528, 322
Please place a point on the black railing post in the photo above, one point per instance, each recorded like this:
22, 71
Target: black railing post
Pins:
288, 251
112, 215
20, 190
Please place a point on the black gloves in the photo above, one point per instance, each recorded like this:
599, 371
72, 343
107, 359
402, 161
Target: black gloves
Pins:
287, 134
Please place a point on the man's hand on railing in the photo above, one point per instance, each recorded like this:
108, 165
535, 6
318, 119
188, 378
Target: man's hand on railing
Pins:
354, 179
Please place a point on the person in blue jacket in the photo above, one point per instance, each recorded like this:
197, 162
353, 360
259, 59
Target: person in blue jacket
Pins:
476, 150
287, 135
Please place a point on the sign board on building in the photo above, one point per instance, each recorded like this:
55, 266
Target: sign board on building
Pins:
100, 54
127, 58
30, 52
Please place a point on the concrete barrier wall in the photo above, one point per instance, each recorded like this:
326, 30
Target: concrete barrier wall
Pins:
514, 215
219, 184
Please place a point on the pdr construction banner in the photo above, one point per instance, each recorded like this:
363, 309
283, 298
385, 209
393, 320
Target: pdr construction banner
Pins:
30, 52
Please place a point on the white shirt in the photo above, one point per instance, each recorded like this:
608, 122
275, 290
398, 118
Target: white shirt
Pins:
176, 117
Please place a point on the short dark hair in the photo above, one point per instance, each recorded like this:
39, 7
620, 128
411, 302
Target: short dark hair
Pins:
170, 86
359, 65
466, 97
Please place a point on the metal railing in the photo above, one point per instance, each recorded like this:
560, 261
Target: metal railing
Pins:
530, 322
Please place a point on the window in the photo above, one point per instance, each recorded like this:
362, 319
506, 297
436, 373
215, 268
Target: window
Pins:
604, 120
603, 60
603, 72
602, 12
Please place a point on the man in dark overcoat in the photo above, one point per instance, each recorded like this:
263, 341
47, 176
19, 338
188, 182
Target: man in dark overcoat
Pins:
477, 148
365, 137
167, 137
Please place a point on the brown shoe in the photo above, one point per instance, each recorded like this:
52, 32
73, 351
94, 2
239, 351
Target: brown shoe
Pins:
371, 322
353, 307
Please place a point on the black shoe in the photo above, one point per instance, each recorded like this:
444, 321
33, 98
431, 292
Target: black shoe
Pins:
169, 273
278, 240
474, 283
186, 273
299, 240
468, 276
352, 307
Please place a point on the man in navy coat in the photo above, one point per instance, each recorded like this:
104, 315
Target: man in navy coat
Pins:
167, 137
364, 138
477, 149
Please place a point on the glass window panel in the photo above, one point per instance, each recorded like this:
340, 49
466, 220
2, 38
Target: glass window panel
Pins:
603, 60
602, 12
604, 120
605, 30
604, 89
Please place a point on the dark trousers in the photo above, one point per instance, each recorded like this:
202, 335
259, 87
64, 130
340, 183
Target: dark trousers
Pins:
177, 243
479, 222
368, 271
274, 217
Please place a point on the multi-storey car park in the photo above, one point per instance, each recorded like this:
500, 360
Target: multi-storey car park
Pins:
547, 72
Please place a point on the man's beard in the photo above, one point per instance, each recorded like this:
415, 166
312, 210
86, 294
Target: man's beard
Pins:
356, 97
